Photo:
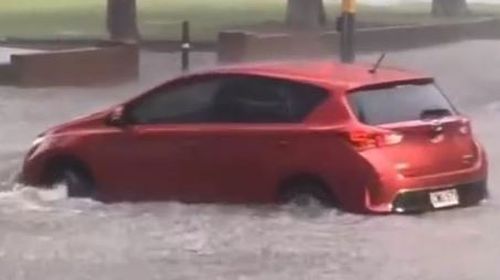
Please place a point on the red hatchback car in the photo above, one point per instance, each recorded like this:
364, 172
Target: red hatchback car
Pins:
365, 141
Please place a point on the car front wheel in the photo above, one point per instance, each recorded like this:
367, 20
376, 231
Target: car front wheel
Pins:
76, 181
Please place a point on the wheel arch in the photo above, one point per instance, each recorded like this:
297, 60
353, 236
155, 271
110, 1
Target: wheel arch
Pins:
56, 163
304, 177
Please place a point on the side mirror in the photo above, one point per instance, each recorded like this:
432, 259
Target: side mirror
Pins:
117, 117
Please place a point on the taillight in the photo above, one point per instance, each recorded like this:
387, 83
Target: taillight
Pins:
363, 140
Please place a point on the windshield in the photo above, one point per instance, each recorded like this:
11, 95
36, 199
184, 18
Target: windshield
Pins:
399, 103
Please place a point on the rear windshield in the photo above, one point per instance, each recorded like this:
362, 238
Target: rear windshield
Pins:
398, 103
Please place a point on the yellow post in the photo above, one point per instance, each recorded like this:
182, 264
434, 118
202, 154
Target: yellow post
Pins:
349, 6
347, 29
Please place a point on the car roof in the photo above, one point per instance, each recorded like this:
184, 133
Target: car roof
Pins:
325, 72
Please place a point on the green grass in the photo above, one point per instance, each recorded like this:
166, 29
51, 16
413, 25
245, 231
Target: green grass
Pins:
52, 18
161, 18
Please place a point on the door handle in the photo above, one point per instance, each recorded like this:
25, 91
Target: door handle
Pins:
283, 143
189, 144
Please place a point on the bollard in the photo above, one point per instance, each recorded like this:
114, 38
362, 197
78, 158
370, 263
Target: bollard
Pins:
186, 46
347, 29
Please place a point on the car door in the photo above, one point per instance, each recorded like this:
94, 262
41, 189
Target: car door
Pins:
157, 149
255, 139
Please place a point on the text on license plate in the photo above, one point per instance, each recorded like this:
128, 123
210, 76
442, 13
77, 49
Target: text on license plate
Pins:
445, 198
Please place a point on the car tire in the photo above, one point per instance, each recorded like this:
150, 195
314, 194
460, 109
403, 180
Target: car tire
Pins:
78, 183
306, 194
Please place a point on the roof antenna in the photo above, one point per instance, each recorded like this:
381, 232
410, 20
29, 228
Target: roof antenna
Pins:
377, 65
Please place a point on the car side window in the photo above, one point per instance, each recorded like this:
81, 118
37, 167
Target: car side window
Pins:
303, 99
188, 102
265, 100
228, 99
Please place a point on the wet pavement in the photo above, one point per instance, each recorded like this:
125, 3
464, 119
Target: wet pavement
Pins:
43, 235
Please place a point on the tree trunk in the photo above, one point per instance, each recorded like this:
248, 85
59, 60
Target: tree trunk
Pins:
305, 14
449, 8
122, 20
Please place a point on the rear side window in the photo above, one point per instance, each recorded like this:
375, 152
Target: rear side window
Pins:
264, 100
398, 103
304, 99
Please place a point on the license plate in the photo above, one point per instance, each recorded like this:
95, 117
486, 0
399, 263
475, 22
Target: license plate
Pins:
446, 198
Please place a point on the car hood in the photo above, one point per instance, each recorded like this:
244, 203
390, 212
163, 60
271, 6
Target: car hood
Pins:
87, 121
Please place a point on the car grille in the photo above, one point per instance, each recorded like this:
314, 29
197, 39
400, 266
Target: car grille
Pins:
418, 201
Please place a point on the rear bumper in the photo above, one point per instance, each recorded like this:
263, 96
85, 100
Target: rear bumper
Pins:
395, 193
418, 201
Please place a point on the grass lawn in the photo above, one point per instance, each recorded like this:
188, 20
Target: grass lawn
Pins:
160, 18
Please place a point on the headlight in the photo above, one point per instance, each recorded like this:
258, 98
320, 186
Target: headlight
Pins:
39, 140
36, 143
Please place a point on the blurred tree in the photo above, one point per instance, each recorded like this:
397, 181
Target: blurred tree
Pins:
305, 14
449, 8
122, 20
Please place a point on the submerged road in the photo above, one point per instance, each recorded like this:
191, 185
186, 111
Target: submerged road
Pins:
43, 235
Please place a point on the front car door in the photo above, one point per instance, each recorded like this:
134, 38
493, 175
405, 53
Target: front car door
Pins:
157, 150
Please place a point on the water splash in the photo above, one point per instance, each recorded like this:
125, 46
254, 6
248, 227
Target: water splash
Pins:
31, 199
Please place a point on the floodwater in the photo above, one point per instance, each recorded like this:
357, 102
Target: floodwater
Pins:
44, 235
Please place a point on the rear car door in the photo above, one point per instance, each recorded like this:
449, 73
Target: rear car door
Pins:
252, 145
436, 138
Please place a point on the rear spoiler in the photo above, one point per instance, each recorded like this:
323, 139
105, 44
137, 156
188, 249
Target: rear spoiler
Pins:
389, 84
